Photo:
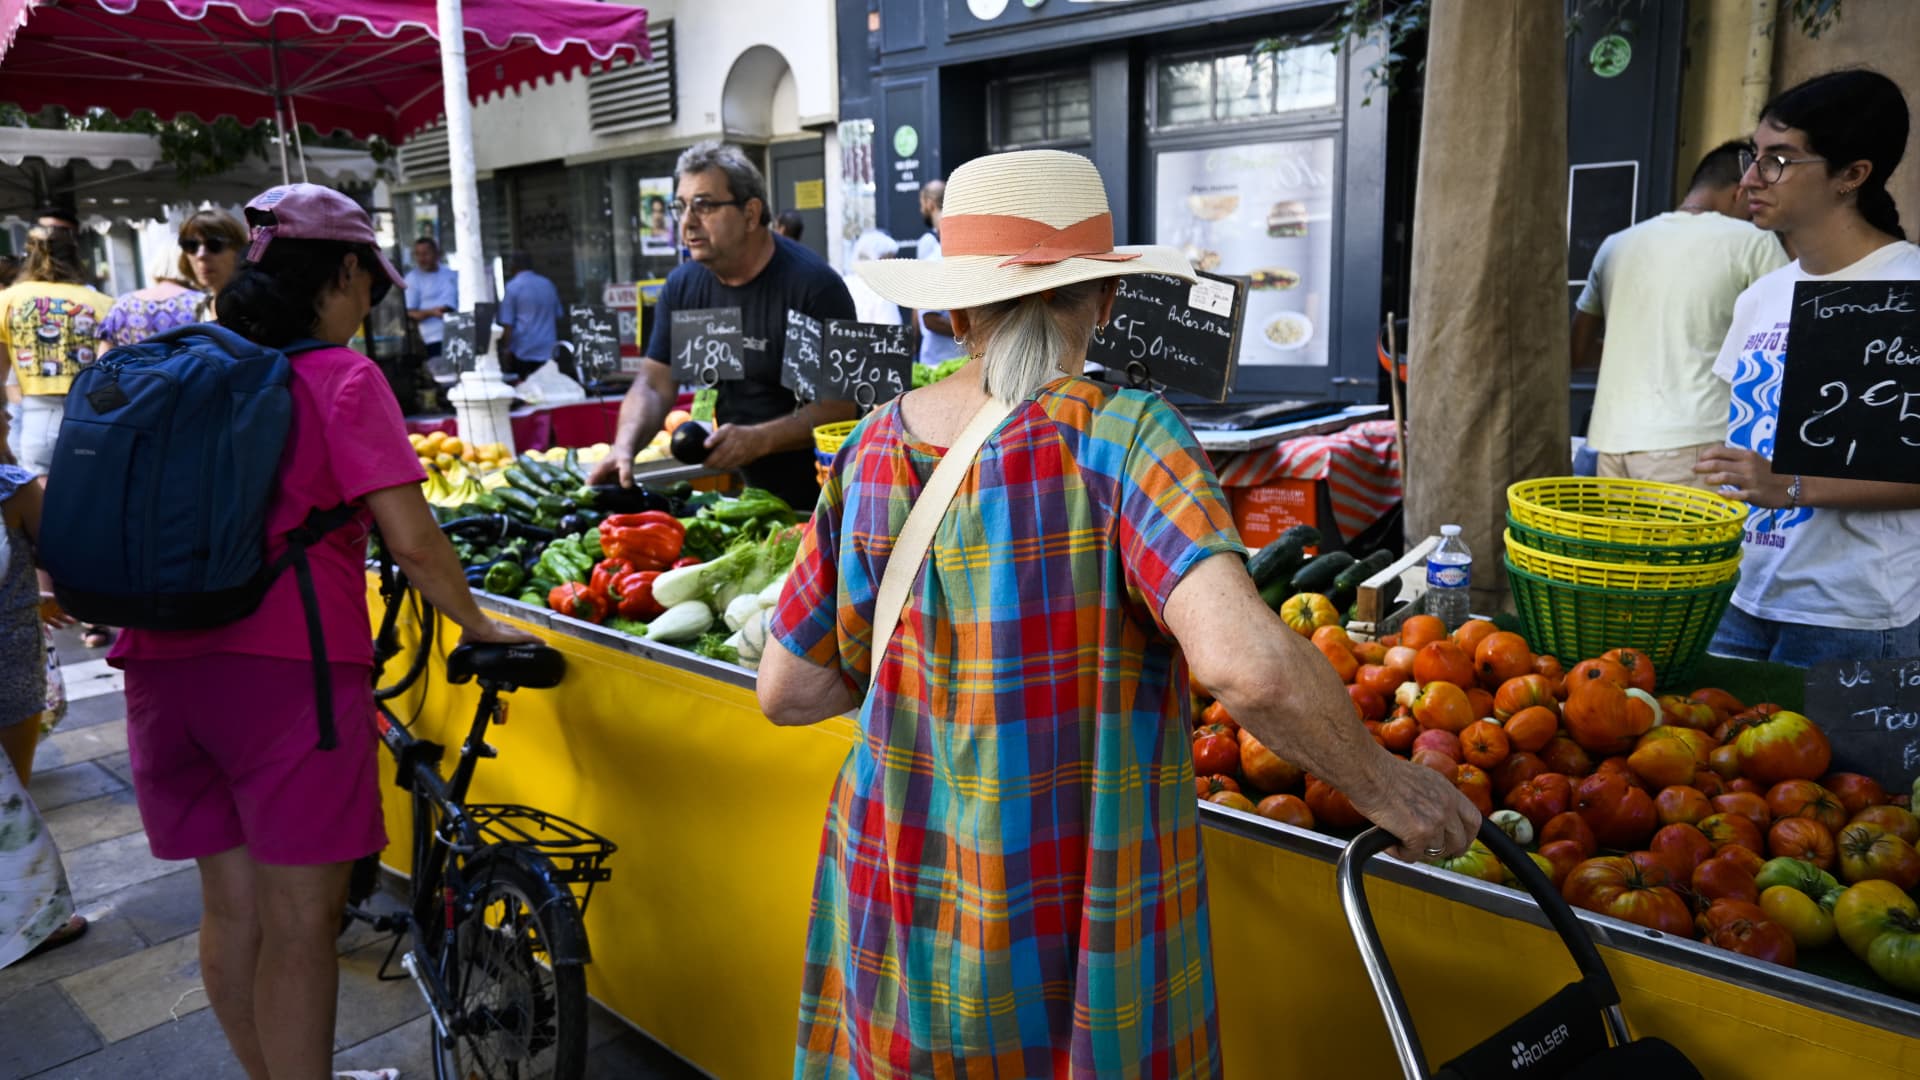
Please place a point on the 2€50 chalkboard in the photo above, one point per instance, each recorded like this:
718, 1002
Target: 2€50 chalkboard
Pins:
596, 340
1183, 334
1870, 710
708, 346
1850, 395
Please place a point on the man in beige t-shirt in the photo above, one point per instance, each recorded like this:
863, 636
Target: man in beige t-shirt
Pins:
1652, 317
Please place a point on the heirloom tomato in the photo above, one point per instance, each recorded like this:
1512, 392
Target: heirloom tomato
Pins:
1615, 886
1783, 746
1869, 852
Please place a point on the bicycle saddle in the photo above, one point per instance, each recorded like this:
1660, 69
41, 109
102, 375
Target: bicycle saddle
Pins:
533, 667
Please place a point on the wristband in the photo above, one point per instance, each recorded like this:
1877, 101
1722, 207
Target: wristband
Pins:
1793, 493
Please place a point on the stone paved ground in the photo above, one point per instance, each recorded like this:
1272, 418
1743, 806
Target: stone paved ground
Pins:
126, 1000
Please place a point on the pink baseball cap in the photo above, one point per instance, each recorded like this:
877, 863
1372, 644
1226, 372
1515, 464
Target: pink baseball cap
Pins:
312, 212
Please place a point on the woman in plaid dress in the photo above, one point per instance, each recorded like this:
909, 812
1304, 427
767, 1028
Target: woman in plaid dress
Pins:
1010, 879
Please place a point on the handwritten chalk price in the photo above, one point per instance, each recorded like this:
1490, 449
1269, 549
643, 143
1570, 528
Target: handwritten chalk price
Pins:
1175, 332
708, 346
1870, 711
1850, 395
800, 359
866, 363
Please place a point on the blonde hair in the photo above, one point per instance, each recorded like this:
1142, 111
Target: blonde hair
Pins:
211, 225
1028, 336
53, 254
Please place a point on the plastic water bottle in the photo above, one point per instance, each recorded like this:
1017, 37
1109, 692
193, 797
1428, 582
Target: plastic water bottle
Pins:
1449, 573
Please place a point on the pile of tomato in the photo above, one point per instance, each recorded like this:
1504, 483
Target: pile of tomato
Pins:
1696, 815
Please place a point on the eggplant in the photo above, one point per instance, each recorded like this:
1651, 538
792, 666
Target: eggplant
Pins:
614, 499
689, 445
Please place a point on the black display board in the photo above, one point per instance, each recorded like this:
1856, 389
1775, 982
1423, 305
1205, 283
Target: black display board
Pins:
1170, 331
1870, 711
596, 340
866, 363
469, 335
708, 346
1850, 397
800, 360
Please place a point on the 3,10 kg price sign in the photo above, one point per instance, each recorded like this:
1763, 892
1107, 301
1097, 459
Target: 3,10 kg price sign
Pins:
1850, 395
707, 346
843, 360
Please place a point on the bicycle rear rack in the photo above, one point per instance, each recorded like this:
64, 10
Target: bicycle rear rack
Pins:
578, 853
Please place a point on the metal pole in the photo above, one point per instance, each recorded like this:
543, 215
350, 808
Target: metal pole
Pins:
280, 130
474, 286
293, 113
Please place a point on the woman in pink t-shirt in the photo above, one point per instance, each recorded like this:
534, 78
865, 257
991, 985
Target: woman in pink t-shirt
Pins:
222, 723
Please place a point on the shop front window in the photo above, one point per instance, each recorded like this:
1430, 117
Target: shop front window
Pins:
1047, 110
1234, 85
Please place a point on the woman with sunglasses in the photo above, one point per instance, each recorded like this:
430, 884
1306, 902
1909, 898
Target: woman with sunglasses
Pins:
1831, 567
221, 722
210, 244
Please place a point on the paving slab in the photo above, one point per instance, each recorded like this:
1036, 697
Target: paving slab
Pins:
134, 993
90, 678
104, 709
408, 1048
636, 1057
104, 941
367, 1006
192, 1048
67, 747
76, 825
55, 788
119, 765
98, 870
43, 1030
162, 909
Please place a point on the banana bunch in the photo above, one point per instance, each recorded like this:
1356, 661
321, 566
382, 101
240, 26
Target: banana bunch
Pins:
451, 487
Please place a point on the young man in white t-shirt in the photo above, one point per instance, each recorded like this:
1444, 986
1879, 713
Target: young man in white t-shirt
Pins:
1831, 567
1661, 294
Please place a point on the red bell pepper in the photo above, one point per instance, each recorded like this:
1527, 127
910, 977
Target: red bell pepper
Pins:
633, 596
577, 600
687, 560
604, 573
645, 541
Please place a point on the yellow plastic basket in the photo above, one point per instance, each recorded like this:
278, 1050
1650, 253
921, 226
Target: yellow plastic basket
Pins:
1620, 577
828, 437
1633, 512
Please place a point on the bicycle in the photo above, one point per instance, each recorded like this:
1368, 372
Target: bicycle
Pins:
493, 935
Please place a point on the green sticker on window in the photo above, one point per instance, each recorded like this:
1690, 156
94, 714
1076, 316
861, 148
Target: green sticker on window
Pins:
703, 404
905, 140
1610, 56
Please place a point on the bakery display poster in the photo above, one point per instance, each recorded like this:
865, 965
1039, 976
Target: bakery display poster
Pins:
657, 227
1263, 212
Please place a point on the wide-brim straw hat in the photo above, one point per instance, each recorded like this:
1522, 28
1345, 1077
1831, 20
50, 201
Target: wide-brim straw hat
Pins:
1016, 224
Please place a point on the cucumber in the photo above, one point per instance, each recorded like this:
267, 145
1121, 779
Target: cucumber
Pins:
1349, 580
524, 482
539, 472
1317, 576
518, 503
570, 465
1284, 557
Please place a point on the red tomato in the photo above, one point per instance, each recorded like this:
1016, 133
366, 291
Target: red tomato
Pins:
1215, 753
1744, 857
1329, 806
1682, 805
1290, 809
1723, 704
1542, 798
1212, 785
1369, 705
1724, 829
1724, 760
1724, 879
1443, 661
1686, 847
1869, 852
1615, 886
1564, 855
1620, 814
1746, 783
1747, 805
1216, 713
1532, 728
1602, 717
1804, 798
1380, 679
1895, 820
1446, 742
1565, 756
1442, 706
1802, 838
1783, 746
1524, 692
1762, 939
1399, 733
1265, 769
1709, 782
1855, 792
1519, 768
1435, 760
1476, 785
1659, 869
1638, 666
1569, 826
1501, 656
1680, 712
1484, 743
1721, 912
1598, 668
1548, 667
1661, 763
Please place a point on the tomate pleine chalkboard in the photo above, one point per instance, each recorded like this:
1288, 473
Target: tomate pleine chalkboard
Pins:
1183, 334
1850, 396
866, 363
708, 346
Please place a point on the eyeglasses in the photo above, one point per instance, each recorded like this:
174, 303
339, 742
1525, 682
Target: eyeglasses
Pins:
1771, 166
213, 245
702, 206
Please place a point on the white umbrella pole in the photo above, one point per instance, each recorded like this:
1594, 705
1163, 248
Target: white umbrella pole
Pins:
299, 147
280, 129
482, 401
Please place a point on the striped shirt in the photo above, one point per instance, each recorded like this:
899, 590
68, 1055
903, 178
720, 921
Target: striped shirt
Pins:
1010, 879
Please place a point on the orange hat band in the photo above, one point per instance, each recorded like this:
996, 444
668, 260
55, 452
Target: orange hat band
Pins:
1029, 242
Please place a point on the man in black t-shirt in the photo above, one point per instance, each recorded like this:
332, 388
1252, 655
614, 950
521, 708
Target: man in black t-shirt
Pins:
720, 201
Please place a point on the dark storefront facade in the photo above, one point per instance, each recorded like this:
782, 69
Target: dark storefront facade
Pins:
1272, 164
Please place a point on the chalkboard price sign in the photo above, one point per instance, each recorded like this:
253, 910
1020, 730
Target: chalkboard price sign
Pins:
866, 363
1850, 398
1175, 332
469, 335
596, 340
708, 346
800, 360
1870, 711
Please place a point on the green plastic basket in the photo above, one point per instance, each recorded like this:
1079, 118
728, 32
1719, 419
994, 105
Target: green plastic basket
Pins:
1642, 554
1576, 622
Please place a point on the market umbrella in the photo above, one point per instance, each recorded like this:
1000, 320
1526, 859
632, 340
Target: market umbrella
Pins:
367, 67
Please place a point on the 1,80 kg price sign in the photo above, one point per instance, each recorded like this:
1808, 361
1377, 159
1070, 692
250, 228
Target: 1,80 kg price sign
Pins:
708, 345
1850, 395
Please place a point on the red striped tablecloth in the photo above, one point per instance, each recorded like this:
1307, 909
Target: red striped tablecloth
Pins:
1359, 464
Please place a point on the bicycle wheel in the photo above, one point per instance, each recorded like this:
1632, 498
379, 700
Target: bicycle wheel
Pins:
515, 1014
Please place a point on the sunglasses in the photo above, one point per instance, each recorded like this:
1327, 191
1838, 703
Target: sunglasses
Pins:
213, 245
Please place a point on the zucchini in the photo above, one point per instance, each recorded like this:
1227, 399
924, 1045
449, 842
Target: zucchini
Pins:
570, 465
1284, 557
1348, 583
1317, 576
539, 472
523, 481
518, 503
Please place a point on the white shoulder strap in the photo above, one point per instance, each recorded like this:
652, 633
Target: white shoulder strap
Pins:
916, 536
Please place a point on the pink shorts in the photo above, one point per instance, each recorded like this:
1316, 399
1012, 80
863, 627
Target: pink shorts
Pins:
225, 755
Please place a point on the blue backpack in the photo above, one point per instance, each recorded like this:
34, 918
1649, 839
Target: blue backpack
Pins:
157, 497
